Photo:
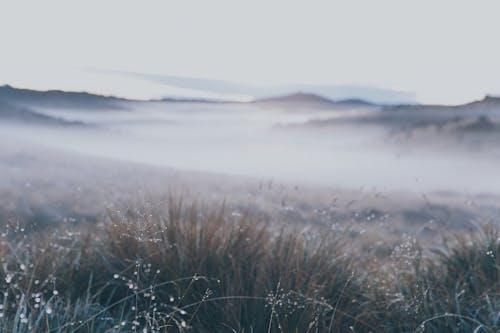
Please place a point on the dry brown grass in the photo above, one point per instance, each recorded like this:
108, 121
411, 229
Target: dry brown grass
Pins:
190, 268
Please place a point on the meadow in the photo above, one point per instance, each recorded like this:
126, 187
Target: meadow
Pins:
187, 267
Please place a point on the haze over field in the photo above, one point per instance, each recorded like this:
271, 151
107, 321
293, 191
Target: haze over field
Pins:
299, 139
294, 156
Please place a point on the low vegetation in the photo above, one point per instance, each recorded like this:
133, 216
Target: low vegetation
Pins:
196, 269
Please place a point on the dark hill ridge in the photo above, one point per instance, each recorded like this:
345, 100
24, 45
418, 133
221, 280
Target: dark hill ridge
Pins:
58, 98
20, 105
61, 98
487, 103
299, 97
308, 99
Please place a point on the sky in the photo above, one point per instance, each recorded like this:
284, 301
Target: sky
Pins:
444, 51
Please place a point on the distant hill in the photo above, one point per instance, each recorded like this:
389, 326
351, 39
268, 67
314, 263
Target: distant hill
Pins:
20, 105
298, 97
488, 102
58, 99
301, 99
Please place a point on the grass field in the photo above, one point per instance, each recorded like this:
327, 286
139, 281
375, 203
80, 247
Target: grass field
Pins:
187, 267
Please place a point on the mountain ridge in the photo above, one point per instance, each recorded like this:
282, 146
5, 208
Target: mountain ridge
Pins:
63, 98
306, 98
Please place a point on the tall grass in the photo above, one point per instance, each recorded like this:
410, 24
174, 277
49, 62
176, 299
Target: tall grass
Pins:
456, 289
202, 270
187, 269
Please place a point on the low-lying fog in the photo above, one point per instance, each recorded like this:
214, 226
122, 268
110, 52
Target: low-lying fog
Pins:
299, 146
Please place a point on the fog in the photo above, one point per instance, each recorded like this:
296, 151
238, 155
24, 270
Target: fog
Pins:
302, 145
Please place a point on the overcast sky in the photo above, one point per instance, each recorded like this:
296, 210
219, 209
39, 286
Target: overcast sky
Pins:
445, 51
